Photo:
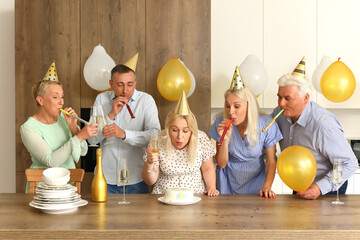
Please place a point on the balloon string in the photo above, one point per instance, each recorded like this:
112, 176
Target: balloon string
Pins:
227, 125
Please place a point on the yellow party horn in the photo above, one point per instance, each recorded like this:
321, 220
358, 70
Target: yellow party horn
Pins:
77, 118
272, 121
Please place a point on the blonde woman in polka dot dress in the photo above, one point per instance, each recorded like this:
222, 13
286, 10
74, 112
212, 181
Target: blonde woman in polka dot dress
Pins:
184, 159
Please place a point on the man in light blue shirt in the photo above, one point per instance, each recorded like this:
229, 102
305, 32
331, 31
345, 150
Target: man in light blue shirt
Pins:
129, 136
305, 123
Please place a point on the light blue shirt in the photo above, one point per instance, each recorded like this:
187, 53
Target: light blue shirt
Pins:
138, 130
245, 170
319, 131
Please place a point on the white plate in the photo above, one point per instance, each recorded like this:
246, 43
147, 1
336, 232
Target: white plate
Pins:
72, 197
44, 186
196, 199
55, 194
39, 201
59, 209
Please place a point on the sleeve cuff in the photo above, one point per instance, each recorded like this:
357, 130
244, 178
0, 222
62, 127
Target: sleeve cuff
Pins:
128, 135
324, 186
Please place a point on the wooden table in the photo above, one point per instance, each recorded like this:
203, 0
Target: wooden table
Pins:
221, 217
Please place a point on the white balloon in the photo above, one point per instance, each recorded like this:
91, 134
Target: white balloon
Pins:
254, 74
97, 69
319, 71
193, 82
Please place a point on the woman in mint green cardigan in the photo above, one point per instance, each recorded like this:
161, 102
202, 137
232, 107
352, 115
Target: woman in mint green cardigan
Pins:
52, 138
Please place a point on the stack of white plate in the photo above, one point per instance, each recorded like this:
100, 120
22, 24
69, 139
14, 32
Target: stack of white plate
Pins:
56, 199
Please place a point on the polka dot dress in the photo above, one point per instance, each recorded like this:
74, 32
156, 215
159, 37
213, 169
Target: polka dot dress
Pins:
176, 170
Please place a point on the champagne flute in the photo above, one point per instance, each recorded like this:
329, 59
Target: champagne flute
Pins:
123, 177
103, 122
93, 119
337, 178
154, 144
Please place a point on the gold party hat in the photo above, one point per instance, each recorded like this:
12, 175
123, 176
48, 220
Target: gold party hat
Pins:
182, 107
237, 82
51, 74
300, 69
132, 62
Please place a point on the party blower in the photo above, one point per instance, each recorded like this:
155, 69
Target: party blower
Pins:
129, 109
227, 125
272, 121
77, 118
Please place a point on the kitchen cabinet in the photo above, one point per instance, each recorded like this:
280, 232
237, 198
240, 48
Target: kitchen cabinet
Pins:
280, 33
236, 32
289, 34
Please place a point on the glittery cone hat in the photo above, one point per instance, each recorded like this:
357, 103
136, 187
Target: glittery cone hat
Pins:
182, 107
132, 62
299, 71
51, 74
237, 82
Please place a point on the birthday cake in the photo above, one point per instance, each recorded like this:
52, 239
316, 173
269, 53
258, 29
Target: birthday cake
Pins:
179, 195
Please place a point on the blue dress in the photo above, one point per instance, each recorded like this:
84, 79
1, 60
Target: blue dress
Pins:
245, 170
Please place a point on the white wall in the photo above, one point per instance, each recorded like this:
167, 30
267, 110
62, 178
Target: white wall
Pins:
7, 96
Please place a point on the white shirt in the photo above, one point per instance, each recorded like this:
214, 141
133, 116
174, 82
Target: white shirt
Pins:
138, 130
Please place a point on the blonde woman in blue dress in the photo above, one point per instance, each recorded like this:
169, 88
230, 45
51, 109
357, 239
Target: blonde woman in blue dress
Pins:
241, 168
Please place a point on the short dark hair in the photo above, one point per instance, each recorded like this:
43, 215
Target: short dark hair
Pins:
121, 68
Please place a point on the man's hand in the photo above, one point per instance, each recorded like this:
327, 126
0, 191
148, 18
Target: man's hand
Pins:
117, 106
113, 131
312, 192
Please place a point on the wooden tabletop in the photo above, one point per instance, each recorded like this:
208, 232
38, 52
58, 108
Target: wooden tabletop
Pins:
224, 216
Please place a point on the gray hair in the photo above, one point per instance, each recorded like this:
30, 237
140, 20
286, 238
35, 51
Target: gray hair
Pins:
303, 84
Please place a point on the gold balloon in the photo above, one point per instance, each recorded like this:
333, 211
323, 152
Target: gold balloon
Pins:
297, 167
338, 82
173, 79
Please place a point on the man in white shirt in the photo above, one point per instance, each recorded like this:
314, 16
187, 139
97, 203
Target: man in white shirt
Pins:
129, 136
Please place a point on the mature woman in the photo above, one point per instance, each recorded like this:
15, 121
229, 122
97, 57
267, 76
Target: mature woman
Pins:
240, 158
52, 138
184, 159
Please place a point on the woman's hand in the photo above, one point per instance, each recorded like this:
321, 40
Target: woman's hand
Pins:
88, 131
212, 192
267, 192
152, 157
221, 128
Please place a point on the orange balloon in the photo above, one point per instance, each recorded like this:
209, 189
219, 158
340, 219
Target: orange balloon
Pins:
338, 82
297, 167
173, 79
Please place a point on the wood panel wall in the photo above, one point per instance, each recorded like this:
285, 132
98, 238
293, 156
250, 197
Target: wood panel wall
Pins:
45, 30
67, 31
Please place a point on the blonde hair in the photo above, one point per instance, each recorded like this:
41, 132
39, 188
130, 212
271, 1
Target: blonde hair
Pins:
253, 112
193, 142
41, 86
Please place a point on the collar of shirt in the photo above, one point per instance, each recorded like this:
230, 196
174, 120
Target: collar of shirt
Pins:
303, 117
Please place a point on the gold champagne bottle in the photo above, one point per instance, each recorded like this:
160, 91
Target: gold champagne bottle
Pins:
98, 186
